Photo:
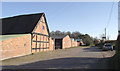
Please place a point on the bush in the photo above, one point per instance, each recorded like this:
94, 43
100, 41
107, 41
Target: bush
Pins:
87, 43
100, 45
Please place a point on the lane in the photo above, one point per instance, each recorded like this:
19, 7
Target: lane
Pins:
82, 58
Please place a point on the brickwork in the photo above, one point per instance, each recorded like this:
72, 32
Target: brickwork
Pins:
73, 43
80, 43
52, 44
66, 42
21, 45
15, 47
41, 28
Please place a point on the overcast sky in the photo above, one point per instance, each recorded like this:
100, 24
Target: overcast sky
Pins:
86, 17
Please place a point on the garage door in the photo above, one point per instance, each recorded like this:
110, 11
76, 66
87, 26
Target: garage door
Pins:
58, 43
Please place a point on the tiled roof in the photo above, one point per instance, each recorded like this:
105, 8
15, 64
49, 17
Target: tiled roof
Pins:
22, 24
58, 36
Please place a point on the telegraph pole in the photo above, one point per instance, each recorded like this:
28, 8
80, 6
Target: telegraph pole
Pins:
105, 33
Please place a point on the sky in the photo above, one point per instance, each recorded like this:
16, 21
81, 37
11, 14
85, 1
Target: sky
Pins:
86, 17
119, 17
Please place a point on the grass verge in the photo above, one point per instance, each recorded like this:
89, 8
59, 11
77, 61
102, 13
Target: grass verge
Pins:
80, 46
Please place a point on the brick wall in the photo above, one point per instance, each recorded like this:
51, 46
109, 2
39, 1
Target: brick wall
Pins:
15, 47
73, 43
66, 42
40, 29
78, 43
52, 44
40, 45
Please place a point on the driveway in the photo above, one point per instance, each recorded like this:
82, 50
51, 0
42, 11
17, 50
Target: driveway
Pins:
73, 58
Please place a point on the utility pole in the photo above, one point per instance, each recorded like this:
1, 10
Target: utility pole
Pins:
105, 33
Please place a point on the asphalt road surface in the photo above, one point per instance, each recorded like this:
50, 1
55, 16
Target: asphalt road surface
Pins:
73, 58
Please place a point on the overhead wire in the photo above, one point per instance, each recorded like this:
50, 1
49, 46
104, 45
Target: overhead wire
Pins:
109, 18
110, 15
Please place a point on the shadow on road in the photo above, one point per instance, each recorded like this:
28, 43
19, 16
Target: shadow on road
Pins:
65, 63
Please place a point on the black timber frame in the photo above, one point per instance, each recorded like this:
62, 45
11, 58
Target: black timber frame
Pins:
44, 42
47, 36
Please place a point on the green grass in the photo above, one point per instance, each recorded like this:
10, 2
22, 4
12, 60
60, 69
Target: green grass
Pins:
74, 47
79, 46
100, 46
91, 45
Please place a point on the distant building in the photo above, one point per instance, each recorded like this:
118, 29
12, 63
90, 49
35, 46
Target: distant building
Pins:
79, 42
61, 41
73, 42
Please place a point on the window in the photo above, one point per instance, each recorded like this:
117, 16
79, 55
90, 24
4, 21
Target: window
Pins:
43, 27
24, 44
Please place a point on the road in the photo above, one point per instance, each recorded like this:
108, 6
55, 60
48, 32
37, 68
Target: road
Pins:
73, 58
